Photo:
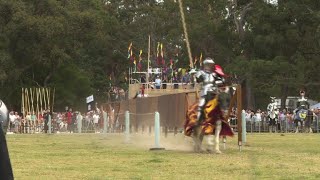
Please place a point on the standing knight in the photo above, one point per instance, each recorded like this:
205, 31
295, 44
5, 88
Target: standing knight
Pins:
302, 102
272, 114
211, 80
301, 111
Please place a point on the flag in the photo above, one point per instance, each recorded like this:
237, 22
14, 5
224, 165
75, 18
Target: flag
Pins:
158, 49
140, 59
130, 51
134, 61
195, 61
131, 56
158, 53
162, 58
140, 53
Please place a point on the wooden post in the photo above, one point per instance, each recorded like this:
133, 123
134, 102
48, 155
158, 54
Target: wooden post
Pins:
44, 98
54, 91
32, 97
22, 103
147, 75
27, 100
37, 101
239, 115
40, 98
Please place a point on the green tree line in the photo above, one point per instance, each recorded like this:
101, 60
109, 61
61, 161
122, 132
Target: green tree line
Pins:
80, 46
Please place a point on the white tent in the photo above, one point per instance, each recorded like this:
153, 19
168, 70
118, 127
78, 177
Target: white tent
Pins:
316, 106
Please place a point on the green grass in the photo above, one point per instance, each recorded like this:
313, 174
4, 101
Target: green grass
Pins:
99, 156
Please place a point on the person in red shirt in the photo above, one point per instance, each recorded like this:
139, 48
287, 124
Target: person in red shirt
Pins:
69, 120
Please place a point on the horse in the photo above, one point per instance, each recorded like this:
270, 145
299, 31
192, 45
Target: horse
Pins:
303, 119
212, 125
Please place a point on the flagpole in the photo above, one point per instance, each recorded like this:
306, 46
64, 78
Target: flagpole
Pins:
147, 91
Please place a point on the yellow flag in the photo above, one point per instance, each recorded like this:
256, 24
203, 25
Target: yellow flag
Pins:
161, 50
140, 58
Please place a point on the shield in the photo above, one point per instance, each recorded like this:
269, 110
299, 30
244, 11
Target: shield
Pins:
3, 117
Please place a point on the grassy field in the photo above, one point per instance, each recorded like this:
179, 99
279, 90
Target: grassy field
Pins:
99, 156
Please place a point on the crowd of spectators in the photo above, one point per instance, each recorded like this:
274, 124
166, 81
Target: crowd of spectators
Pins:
258, 121
69, 121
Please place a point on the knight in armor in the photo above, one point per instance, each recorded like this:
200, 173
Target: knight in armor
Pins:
5, 164
211, 80
272, 113
302, 102
301, 110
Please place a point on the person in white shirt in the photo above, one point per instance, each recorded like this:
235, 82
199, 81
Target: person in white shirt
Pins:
96, 121
12, 118
79, 121
157, 82
258, 119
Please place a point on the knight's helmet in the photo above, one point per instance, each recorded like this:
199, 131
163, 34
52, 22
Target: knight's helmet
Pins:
208, 64
3, 117
302, 93
273, 99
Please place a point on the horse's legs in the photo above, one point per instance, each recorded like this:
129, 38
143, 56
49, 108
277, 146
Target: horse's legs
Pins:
210, 143
217, 136
197, 139
297, 126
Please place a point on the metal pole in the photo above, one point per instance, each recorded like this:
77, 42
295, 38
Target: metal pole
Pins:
239, 116
317, 124
127, 133
147, 76
49, 124
244, 128
79, 123
105, 122
157, 130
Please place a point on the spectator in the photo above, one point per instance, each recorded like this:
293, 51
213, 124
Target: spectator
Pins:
74, 121
59, 121
12, 118
17, 122
186, 79
142, 90
290, 120
248, 120
69, 120
79, 118
96, 122
258, 120
46, 120
33, 120
158, 82
282, 119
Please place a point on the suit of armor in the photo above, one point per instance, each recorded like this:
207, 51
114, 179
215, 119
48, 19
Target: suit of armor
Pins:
271, 107
210, 82
272, 112
5, 164
302, 103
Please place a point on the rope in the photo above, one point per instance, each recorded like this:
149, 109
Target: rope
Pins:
142, 114
185, 33
138, 114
